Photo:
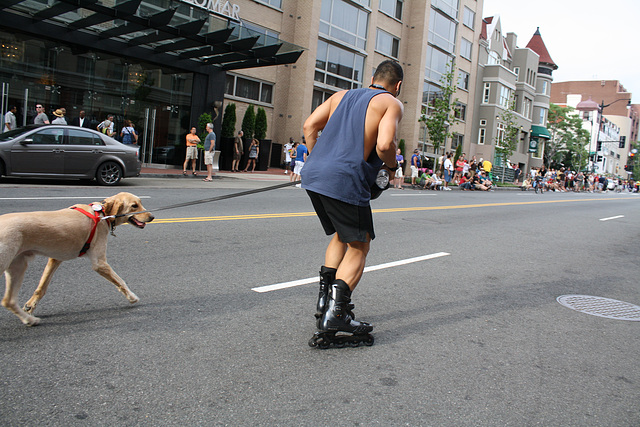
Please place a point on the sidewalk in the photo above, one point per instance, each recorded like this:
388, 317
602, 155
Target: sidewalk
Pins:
271, 174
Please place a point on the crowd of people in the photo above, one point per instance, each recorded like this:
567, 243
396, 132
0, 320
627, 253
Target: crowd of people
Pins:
127, 135
475, 174
468, 175
566, 180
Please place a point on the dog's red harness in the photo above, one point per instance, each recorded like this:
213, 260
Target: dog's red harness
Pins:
97, 210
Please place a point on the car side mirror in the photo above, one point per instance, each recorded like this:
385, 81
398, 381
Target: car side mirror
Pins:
26, 141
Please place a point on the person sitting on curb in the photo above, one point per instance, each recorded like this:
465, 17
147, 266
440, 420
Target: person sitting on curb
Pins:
484, 181
526, 184
465, 183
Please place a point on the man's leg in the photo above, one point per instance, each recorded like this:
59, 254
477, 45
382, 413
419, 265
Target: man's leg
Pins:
352, 266
339, 314
335, 252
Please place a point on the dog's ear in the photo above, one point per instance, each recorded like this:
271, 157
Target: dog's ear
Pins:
112, 206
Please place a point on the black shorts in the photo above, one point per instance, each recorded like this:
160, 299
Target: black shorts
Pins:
352, 223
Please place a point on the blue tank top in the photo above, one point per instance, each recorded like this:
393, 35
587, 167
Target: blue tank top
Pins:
336, 167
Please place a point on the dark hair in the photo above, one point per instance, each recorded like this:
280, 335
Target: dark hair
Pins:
388, 71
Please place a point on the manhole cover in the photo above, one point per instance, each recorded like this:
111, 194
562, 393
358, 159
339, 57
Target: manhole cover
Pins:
603, 307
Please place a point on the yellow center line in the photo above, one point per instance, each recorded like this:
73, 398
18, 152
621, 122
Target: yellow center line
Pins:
390, 210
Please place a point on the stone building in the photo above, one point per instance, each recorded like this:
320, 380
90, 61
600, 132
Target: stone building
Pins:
511, 77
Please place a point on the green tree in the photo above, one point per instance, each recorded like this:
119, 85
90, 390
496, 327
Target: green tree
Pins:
634, 162
202, 127
457, 154
229, 121
401, 145
440, 117
568, 139
261, 124
507, 141
249, 122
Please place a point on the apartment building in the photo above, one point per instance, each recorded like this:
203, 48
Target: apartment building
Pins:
344, 40
612, 128
510, 77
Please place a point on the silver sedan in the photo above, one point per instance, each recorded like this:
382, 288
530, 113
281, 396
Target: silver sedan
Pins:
58, 151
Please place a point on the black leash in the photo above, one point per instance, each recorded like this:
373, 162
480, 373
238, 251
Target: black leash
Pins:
227, 196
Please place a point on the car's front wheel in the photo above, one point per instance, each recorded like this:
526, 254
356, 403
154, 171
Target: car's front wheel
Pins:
109, 173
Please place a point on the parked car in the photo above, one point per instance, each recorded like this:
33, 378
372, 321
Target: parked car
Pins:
59, 151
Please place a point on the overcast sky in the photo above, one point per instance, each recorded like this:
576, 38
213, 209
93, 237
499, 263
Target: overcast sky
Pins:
587, 39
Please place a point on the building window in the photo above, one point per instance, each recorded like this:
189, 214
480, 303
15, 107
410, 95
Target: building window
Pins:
481, 136
438, 63
545, 86
387, 44
249, 89
442, 31
469, 17
500, 134
494, 58
483, 122
430, 93
274, 3
516, 106
505, 95
460, 111
457, 140
465, 48
450, 7
338, 67
516, 71
540, 150
463, 80
526, 112
392, 8
485, 94
541, 116
319, 96
345, 22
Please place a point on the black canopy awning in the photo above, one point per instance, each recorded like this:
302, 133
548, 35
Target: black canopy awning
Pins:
143, 30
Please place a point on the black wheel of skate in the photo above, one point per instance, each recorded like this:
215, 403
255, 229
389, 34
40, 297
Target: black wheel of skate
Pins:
313, 343
354, 343
323, 345
339, 344
369, 341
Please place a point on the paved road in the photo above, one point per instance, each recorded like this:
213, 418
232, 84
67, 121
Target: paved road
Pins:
473, 338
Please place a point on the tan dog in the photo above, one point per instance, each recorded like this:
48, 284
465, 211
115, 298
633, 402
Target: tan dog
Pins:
61, 235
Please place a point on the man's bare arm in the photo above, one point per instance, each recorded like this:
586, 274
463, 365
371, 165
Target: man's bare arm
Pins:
387, 129
319, 118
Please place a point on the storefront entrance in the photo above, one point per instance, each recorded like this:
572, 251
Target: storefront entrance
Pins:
157, 100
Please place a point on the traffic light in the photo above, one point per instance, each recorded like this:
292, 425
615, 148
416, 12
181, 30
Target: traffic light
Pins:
628, 168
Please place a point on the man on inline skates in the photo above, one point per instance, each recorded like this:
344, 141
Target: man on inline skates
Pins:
358, 134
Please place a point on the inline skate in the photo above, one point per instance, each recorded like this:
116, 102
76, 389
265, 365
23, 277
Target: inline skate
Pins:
327, 277
337, 326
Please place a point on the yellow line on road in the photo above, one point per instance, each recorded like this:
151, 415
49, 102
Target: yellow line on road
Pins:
391, 210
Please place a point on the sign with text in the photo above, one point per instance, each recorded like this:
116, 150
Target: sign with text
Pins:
219, 7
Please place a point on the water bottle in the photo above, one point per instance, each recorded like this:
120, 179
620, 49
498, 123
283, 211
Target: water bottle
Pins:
382, 183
